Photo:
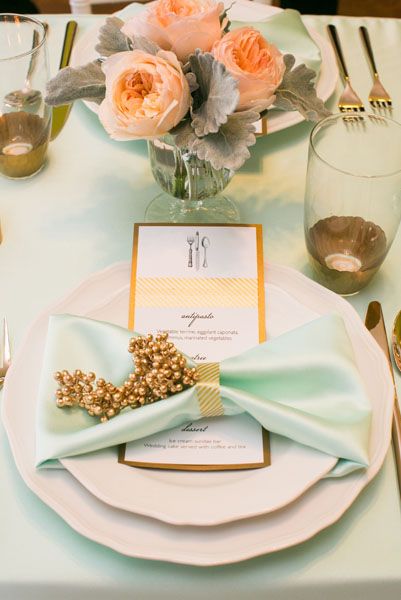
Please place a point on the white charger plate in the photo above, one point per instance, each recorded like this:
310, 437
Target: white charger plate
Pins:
242, 10
143, 537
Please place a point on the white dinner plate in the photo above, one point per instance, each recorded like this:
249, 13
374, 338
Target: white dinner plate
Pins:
202, 498
242, 10
144, 537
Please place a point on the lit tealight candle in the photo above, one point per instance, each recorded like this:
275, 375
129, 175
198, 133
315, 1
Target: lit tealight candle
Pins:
17, 148
343, 262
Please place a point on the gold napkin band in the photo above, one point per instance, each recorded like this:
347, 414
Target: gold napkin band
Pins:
208, 390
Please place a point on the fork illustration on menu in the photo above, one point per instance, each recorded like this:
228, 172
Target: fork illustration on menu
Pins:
190, 240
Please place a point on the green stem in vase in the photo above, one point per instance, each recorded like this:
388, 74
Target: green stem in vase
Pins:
183, 175
180, 174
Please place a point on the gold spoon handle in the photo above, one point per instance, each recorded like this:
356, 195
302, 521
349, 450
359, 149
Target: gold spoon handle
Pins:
70, 31
60, 113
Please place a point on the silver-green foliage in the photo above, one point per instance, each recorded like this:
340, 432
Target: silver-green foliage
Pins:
86, 82
111, 38
226, 148
297, 91
217, 94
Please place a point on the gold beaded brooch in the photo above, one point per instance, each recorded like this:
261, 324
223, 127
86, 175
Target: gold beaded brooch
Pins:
160, 371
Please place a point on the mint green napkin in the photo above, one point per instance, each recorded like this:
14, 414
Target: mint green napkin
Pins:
287, 31
303, 385
284, 29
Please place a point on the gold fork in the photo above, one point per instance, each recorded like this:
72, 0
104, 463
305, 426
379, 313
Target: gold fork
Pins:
6, 353
378, 97
349, 101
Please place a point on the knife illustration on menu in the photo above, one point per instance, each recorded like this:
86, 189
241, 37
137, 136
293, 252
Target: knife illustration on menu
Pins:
197, 251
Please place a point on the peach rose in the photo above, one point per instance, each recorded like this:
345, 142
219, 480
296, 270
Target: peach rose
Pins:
181, 26
146, 95
257, 66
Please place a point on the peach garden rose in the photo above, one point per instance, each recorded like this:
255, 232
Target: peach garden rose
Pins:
142, 92
181, 26
257, 66
146, 95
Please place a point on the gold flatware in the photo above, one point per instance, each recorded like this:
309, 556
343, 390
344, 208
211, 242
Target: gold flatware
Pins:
396, 341
349, 101
378, 96
60, 113
6, 354
374, 321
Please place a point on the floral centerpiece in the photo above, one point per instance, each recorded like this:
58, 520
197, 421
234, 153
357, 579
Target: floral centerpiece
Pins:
178, 76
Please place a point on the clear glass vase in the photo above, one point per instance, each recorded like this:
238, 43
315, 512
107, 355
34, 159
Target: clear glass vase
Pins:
191, 187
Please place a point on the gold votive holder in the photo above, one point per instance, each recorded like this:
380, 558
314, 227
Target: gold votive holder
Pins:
352, 198
25, 118
24, 138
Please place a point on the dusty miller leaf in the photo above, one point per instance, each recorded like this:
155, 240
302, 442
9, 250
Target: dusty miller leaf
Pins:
138, 42
217, 96
193, 84
183, 135
226, 148
297, 91
111, 38
86, 82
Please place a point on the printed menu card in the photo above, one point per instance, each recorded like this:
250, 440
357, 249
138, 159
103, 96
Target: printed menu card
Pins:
204, 286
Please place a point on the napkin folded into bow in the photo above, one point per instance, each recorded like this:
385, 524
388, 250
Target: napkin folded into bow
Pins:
304, 385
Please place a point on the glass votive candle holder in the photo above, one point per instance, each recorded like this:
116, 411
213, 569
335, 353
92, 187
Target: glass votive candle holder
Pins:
352, 198
25, 119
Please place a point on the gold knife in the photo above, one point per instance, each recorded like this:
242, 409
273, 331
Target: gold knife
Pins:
374, 321
60, 113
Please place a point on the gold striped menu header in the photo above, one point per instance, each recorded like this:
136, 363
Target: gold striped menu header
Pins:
207, 292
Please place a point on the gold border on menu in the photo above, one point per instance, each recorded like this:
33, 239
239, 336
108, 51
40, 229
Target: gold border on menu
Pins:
260, 272
191, 467
262, 337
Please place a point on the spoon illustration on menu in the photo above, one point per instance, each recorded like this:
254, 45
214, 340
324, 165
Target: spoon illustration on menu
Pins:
205, 244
